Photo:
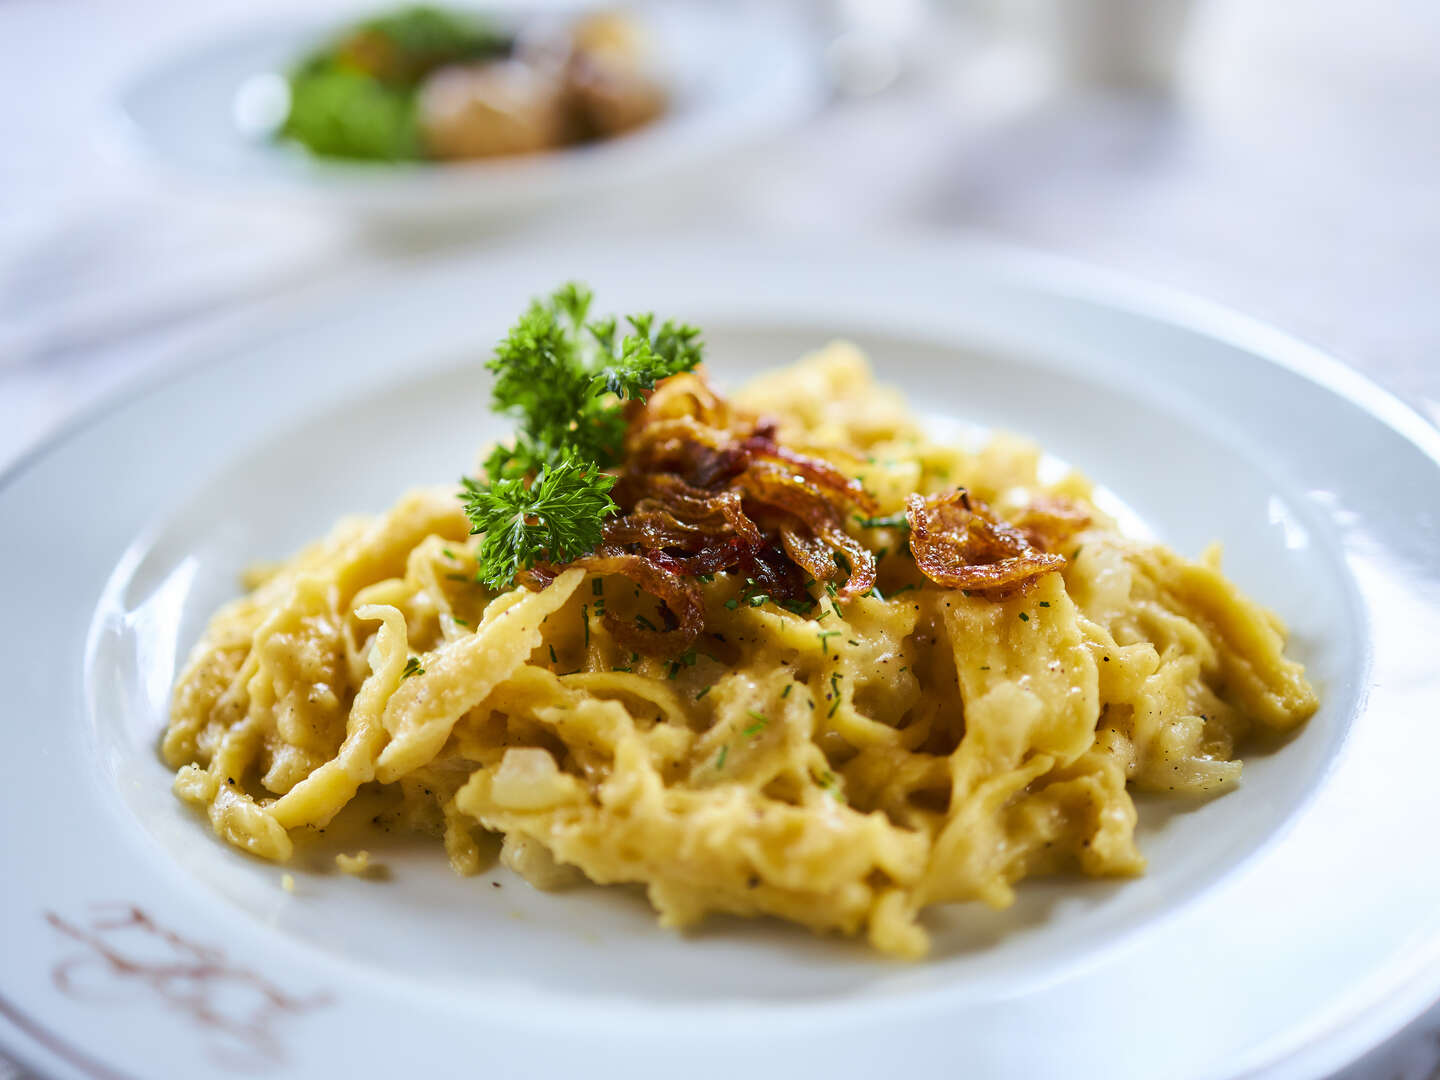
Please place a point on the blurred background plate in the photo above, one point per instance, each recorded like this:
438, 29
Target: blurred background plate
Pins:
737, 73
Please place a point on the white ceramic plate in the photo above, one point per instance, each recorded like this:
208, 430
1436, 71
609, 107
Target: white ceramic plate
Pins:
738, 72
1281, 929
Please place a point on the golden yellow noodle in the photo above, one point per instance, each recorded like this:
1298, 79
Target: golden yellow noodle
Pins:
842, 769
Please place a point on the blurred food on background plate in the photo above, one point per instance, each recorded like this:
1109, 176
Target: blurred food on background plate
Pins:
427, 83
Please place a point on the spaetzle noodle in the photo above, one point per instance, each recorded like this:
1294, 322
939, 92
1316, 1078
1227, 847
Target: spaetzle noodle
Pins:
842, 768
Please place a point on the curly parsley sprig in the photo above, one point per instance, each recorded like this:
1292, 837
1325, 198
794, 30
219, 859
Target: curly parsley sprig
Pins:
565, 379
644, 356
557, 516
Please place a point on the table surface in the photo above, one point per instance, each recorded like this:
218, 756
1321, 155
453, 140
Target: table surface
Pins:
1292, 174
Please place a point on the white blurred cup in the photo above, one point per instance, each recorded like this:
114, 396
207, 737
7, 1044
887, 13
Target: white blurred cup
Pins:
1130, 44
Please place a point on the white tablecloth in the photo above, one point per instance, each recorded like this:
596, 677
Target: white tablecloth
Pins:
1293, 175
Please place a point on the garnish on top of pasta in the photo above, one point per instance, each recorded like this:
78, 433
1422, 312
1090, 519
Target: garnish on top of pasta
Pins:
775, 655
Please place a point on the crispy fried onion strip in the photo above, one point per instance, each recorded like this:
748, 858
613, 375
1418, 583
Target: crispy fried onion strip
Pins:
958, 543
705, 488
668, 583
1051, 521
679, 594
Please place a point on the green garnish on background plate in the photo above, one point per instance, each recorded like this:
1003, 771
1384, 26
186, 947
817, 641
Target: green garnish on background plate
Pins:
356, 98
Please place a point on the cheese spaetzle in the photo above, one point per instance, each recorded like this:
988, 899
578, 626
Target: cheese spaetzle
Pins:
842, 764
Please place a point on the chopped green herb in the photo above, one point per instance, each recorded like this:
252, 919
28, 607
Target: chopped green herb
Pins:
890, 521
412, 667
706, 578
786, 692
757, 727
597, 586
731, 604
585, 620
824, 635
833, 707
553, 658
702, 693
459, 621
1024, 617
458, 577
447, 553
627, 670
720, 757
852, 641
758, 599
984, 667
828, 781
646, 623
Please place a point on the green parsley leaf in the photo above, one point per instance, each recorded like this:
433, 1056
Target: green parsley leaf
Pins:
566, 380
645, 356
557, 517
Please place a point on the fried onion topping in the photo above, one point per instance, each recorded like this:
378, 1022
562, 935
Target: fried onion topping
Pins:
705, 488
958, 543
